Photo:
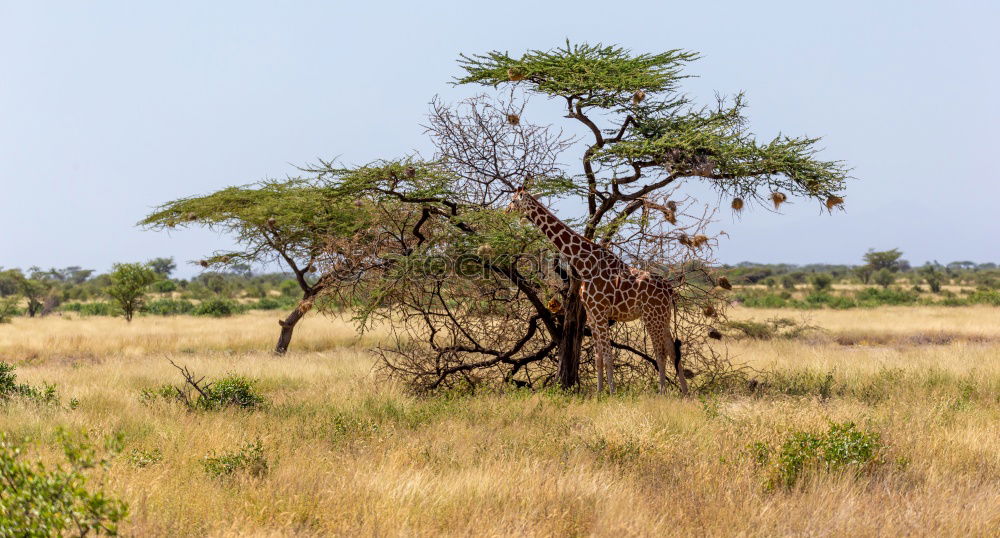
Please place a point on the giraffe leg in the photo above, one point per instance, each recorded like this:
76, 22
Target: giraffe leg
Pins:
602, 353
655, 328
675, 356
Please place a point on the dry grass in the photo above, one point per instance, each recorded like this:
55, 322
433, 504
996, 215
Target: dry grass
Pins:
351, 456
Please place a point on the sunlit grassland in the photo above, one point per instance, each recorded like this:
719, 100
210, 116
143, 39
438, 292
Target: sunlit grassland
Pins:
350, 454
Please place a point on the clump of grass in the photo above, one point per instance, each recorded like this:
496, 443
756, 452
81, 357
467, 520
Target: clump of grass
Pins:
38, 501
145, 458
842, 448
10, 388
248, 459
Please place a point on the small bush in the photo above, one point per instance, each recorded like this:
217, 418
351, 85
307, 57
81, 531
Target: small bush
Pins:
92, 309
164, 392
8, 309
842, 447
987, 297
164, 286
877, 297
10, 388
217, 308
168, 307
36, 501
248, 459
232, 390
822, 281
271, 303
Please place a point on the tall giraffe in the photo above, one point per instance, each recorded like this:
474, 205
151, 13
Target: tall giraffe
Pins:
610, 290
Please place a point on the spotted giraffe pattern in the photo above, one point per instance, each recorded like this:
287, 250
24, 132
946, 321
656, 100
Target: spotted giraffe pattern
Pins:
610, 290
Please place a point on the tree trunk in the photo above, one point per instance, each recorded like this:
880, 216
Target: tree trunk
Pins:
288, 324
571, 339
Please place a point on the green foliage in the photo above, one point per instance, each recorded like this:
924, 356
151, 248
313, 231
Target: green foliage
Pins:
10, 388
8, 308
884, 277
92, 309
271, 303
662, 128
886, 259
878, 297
164, 286
168, 307
249, 459
232, 391
933, 277
162, 266
218, 308
271, 220
822, 281
36, 501
607, 76
842, 448
151, 394
129, 282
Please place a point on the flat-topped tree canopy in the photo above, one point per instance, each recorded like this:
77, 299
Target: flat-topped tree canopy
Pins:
656, 134
594, 75
290, 218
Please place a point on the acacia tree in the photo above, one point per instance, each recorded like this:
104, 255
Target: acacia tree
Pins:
467, 290
274, 221
129, 283
643, 139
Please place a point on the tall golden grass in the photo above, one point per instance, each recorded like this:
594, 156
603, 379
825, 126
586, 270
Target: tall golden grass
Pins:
351, 455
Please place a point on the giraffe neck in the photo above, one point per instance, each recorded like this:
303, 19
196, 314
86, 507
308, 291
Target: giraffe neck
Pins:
581, 253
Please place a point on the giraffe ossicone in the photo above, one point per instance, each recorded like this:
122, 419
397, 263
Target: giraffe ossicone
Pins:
610, 290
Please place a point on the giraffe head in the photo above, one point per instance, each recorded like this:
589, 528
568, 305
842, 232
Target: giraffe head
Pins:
518, 202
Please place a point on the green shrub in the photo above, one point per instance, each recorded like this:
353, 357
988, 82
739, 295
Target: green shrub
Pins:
8, 309
164, 392
168, 307
92, 309
218, 308
36, 501
10, 388
988, 297
164, 286
842, 447
822, 281
271, 303
232, 391
248, 459
877, 297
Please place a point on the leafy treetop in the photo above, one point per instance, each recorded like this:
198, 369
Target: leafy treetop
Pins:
656, 131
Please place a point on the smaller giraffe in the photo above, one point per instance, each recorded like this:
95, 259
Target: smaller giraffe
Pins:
611, 290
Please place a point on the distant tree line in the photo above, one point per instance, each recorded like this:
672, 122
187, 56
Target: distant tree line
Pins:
131, 289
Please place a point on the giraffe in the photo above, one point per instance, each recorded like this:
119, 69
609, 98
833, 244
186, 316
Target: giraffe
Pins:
611, 290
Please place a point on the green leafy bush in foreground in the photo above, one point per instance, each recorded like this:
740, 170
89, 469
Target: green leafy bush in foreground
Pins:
233, 390
36, 501
842, 448
10, 388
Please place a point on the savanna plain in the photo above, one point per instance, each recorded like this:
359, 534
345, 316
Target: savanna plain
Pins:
882, 422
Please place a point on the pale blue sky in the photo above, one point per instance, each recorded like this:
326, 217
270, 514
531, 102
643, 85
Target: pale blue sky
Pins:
110, 108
